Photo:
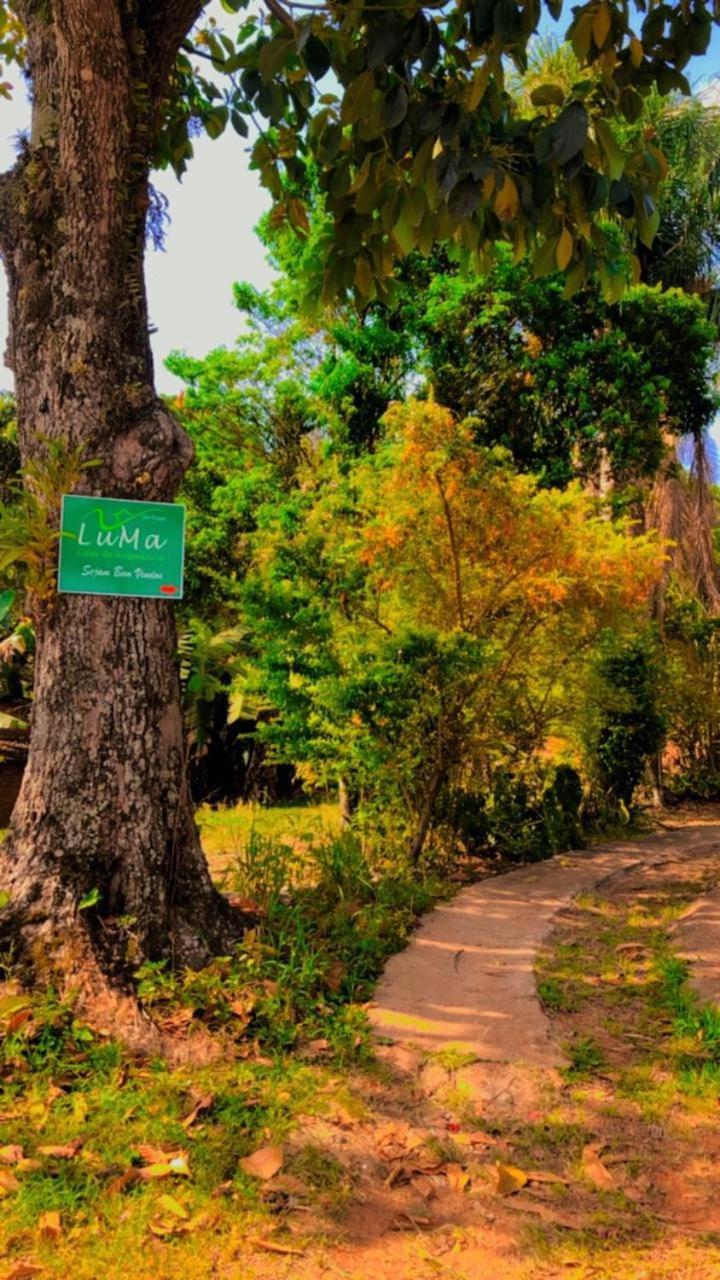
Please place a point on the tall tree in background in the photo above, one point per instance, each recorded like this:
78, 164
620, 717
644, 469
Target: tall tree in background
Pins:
416, 141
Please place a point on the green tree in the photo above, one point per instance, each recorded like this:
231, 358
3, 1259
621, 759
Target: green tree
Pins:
418, 614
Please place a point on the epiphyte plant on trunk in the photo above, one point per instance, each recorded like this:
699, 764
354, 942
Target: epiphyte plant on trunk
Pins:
415, 140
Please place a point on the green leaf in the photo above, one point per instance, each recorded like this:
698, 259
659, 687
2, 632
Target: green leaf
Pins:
564, 250
614, 156
215, 122
395, 106
358, 97
570, 132
544, 259
647, 218
364, 277
547, 95
7, 599
91, 899
273, 55
317, 58
575, 279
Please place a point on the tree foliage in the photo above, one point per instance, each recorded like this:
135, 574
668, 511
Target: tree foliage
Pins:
418, 613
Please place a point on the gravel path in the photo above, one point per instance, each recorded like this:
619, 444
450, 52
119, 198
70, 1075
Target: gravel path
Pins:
467, 980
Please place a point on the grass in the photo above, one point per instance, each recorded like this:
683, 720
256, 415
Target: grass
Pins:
285, 1010
228, 833
619, 975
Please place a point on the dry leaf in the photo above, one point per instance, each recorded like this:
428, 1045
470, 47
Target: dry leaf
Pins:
314, 1048
201, 1102
49, 1225
11, 1154
158, 1155
8, 1183
264, 1163
275, 1246
595, 1170
457, 1177
540, 1175
396, 1140
547, 1214
177, 1021
170, 1205
509, 1179
424, 1186
23, 1271
243, 1007
478, 1139
178, 1167
17, 1020
65, 1152
406, 1221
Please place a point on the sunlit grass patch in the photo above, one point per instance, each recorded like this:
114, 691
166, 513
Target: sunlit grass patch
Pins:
227, 833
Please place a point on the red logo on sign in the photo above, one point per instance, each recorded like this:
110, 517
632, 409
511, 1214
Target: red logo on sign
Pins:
167, 590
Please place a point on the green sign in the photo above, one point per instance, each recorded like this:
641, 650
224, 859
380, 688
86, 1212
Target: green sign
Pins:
114, 547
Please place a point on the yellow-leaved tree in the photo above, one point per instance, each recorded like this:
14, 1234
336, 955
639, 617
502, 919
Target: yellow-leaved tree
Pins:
451, 603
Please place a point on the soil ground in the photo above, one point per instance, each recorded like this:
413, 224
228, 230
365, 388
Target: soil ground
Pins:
561, 1140
578, 1137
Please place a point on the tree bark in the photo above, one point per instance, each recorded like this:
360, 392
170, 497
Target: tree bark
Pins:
427, 812
104, 808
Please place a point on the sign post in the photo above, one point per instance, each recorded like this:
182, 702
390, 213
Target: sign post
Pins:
118, 547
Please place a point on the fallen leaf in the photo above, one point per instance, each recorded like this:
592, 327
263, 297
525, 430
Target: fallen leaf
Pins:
158, 1155
23, 1271
49, 1225
314, 1048
127, 1179
178, 1167
547, 1214
457, 1177
594, 1169
244, 904
406, 1221
476, 1138
201, 1102
170, 1205
396, 1140
275, 1246
11, 1154
65, 1152
424, 1186
509, 1179
8, 1183
243, 1008
263, 1163
540, 1175
178, 1021
17, 1020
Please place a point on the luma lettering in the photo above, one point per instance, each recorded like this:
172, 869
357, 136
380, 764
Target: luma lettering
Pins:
121, 539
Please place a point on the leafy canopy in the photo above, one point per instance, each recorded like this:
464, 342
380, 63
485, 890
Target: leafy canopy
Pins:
403, 112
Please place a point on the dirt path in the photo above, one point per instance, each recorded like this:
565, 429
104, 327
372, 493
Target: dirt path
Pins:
508, 1166
467, 979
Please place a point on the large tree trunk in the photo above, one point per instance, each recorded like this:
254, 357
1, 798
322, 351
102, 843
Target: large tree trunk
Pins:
104, 808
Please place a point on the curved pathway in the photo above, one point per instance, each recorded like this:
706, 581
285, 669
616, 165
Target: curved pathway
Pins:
467, 978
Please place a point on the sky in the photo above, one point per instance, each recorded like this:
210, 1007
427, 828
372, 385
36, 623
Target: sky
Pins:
210, 241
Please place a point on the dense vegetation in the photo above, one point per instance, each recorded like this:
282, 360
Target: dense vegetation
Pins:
452, 596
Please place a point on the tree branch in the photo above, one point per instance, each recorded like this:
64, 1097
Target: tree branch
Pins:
168, 24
